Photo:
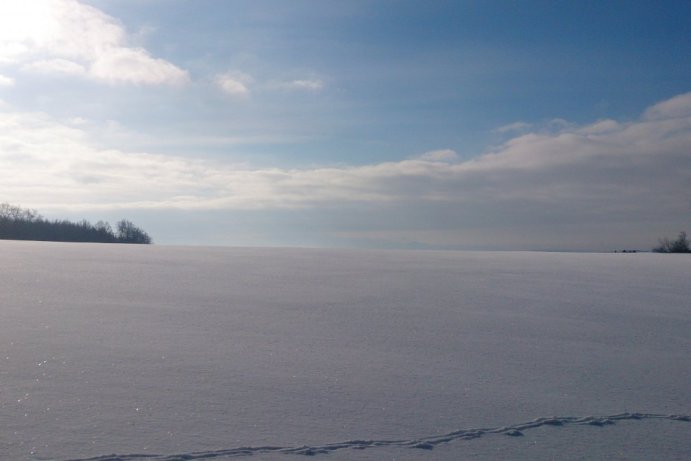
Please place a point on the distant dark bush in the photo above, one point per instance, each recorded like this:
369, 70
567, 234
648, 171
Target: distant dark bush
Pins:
680, 245
17, 223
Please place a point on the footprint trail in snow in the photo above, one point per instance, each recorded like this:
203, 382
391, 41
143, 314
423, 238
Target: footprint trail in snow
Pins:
426, 443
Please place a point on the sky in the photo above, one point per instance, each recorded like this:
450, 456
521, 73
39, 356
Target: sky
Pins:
473, 125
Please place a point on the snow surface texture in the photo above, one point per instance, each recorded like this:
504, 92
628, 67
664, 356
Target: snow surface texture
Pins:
165, 353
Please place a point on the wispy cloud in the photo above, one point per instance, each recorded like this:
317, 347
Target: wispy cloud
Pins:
514, 127
312, 84
240, 84
68, 37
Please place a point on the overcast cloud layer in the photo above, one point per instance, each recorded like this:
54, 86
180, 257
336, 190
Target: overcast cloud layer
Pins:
554, 184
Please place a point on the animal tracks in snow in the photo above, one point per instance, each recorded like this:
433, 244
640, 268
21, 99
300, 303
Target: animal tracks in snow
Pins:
424, 443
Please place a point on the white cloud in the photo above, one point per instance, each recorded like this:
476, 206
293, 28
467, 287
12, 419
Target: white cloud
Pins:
600, 174
678, 106
234, 83
51, 164
68, 37
6, 81
127, 65
77, 121
56, 66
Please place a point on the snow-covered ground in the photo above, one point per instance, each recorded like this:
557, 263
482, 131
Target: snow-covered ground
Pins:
176, 353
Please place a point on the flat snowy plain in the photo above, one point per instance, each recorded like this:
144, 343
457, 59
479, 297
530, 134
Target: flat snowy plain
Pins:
116, 352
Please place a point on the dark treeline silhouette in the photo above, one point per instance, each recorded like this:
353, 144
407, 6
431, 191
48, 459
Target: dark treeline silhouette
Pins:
680, 245
17, 223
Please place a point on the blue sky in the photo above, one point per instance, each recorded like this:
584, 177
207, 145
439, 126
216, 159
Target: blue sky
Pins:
392, 124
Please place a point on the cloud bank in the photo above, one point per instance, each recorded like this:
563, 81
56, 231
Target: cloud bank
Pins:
591, 175
69, 38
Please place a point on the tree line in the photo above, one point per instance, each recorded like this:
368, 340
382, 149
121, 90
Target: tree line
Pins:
17, 223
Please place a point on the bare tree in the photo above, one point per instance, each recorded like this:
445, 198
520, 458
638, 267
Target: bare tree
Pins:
680, 245
129, 233
8, 211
